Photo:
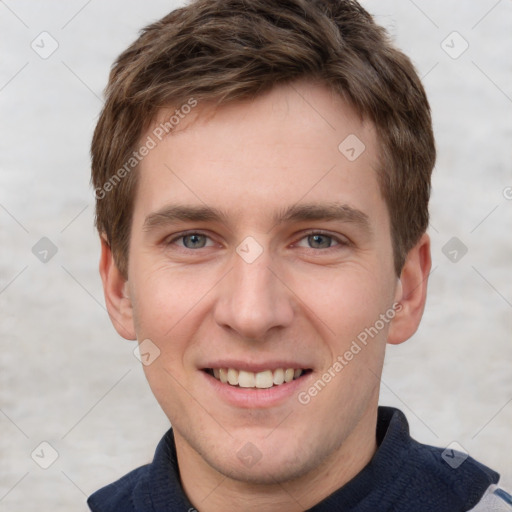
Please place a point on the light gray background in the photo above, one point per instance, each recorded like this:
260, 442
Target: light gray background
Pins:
65, 375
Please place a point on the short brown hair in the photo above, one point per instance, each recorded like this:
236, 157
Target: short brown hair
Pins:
227, 50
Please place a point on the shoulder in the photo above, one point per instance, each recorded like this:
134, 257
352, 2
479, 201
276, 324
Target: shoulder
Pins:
152, 487
495, 499
430, 477
450, 473
118, 495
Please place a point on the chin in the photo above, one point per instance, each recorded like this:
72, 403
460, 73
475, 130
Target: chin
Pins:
265, 472
272, 462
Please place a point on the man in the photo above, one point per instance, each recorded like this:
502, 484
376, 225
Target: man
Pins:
262, 175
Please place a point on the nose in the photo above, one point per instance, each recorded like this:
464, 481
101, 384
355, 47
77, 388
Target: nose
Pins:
253, 299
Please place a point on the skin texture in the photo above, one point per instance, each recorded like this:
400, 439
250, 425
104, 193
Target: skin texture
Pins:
302, 301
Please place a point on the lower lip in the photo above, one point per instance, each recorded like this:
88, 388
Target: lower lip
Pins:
251, 398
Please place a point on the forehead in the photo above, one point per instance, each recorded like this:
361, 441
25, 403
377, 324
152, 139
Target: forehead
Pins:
297, 143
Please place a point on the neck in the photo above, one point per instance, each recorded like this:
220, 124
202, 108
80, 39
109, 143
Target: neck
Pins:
211, 491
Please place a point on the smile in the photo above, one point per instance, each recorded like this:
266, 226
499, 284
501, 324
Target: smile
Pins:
256, 380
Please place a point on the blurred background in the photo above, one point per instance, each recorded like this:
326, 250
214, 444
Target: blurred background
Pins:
75, 410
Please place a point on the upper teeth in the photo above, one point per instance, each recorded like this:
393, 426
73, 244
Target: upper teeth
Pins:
265, 379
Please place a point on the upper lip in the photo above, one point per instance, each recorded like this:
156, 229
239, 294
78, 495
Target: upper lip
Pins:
254, 366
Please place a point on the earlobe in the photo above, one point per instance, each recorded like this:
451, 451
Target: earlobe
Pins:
411, 292
115, 289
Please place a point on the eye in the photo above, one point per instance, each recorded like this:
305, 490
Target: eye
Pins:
192, 241
318, 240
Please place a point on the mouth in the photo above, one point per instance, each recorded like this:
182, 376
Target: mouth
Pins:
256, 380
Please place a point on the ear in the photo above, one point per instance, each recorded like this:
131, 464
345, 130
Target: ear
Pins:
411, 292
115, 288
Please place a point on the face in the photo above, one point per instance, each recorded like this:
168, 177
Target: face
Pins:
260, 253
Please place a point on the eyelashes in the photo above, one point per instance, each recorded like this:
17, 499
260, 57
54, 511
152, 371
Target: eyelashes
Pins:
316, 240
321, 238
197, 240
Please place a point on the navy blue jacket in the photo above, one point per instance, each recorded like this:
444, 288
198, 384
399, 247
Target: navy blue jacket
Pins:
403, 476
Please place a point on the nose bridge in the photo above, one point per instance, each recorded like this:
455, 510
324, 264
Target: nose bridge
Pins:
252, 299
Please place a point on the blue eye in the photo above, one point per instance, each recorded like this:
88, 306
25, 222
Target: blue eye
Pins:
318, 241
313, 240
192, 240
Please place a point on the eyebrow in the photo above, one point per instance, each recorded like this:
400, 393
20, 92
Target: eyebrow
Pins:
330, 211
294, 213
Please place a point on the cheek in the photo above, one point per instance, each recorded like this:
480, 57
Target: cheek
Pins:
356, 307
166, 313
166, 299
172, 306
346, 300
